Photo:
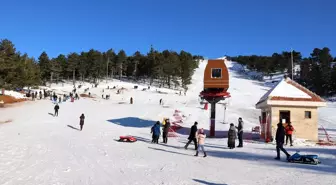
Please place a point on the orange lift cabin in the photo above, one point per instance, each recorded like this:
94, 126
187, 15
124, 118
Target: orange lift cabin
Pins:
216, 84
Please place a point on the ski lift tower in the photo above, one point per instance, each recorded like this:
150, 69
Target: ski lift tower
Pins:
216, 84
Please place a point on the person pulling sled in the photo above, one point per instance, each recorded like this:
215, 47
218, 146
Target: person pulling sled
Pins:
280, 138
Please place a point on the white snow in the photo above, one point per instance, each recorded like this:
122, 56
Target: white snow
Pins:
15, 94
37, 148
284, 89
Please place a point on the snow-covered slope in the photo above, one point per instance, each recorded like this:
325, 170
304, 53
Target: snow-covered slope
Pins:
37, 148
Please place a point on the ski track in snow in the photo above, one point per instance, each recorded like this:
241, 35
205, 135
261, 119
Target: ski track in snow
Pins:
37, 148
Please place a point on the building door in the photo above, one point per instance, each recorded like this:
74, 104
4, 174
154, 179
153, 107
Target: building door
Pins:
284, 116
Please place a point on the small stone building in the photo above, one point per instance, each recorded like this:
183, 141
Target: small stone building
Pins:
288, 102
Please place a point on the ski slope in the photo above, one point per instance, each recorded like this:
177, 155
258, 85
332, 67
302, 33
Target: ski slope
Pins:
37, 148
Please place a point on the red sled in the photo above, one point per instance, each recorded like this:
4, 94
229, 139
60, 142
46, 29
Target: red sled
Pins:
129, 139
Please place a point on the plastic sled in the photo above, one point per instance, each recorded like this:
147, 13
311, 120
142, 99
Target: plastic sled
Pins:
304, 159
129, 139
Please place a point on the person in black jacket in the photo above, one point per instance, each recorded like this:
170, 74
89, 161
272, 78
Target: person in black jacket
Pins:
81, 121
56, 110
240, 132
280, 139
165, 131
192, 136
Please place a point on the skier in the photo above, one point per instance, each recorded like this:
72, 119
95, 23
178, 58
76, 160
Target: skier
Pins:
56, 110
192, 136
279, 138
232, 136
156, 132
201, 139
240, 132
289, 131
131, 100
81, 122
165, 131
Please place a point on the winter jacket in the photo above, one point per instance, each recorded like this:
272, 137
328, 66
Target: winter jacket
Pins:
166, 127
280, 134
193, 131
232, 135
289, 129
240, 126
82, 120
156, 130
201, 139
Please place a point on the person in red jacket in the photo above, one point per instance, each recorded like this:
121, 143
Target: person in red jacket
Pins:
289, 131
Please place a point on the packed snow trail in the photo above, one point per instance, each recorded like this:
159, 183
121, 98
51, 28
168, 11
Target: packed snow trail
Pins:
37, 148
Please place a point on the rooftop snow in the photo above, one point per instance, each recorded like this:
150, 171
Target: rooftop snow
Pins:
284, 89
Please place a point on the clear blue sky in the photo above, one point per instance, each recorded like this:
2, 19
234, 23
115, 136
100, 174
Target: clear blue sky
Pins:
212, 28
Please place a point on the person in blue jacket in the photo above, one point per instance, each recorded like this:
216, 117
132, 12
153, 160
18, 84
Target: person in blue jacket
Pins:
156, 132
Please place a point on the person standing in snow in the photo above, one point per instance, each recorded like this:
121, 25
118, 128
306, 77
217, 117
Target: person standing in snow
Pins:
240, 132
40, 93
131, 100
161, 101
289, 131
279, 138
81, 121
232, 136
192, 136
165, 131
201, 140
156, 132
56, 108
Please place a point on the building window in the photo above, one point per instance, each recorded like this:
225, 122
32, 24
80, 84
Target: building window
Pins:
307, 114
216, 73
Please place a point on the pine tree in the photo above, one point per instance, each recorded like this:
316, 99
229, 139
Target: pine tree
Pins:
45, 66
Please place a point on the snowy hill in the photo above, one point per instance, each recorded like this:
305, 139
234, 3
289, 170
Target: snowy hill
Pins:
37, 148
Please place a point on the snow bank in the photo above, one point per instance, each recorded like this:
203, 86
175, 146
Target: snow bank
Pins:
15, 94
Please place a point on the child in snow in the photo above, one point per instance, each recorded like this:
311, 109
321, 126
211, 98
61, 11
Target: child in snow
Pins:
56, 110
232, 136
156, 132
81, 122
289, 131
201, 140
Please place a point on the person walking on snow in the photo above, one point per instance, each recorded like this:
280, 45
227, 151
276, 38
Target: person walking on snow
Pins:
131, 100
156, 132
165, 131
279, 138
240, 132
192, 136
232, 134
81, 122
289, 131
201, 140
56, 110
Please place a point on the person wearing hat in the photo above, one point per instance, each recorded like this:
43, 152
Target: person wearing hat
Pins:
232, 134
192, 136
201, 140
240, 132
165, 131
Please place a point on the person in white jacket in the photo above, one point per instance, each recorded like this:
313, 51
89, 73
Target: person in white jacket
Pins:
201, 140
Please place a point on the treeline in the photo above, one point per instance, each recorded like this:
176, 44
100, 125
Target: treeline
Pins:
317, 72
167, 68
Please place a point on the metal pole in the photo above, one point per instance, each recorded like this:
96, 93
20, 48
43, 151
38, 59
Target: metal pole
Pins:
212, 119
292, 64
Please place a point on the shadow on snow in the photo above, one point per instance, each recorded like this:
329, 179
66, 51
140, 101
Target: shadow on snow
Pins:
207, 183
132, 122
